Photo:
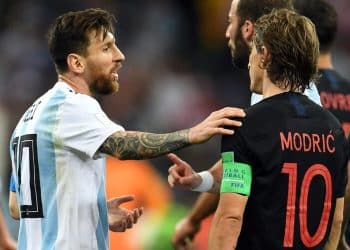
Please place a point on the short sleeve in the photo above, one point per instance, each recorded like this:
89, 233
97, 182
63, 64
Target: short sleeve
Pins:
235, 143
83, 126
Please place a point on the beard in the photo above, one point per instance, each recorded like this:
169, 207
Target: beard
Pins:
104, 85
240, 54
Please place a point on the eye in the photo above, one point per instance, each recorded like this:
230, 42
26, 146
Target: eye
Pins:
106, 48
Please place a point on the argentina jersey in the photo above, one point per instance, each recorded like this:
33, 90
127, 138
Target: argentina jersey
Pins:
59, 174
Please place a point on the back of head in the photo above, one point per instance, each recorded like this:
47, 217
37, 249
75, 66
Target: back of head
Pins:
254, 9
293, 46
325, 18
70, 34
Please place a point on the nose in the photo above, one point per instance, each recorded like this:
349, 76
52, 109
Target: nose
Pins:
118, 55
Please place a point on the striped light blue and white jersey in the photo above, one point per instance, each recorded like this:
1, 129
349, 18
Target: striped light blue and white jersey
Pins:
59, 174
312, 93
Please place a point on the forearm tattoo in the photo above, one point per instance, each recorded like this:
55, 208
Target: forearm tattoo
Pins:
140, 145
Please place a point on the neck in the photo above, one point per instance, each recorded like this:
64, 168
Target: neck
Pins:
270, 89
325, 61
77, 84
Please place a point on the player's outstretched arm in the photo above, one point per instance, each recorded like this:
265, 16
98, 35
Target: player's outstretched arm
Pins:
182, 175
141, 145
204, 206
120, 219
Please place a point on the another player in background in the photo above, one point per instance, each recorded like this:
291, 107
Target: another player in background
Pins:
59, 145
283, 181
334, 89
241, 19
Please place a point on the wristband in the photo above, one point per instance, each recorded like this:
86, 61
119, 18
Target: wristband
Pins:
207, 182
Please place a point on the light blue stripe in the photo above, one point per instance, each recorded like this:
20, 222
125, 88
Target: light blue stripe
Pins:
47, 167
22, 235
102, 226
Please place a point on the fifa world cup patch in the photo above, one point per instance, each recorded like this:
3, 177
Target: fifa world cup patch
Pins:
236, 176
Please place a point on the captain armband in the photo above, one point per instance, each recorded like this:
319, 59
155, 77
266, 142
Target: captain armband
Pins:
236, 176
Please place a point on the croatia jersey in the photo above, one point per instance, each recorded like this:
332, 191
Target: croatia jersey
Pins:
295, 154
335, 96
59, 174
312, 93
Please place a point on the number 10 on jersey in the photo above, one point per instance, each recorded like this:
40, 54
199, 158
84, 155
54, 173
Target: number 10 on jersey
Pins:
315, 170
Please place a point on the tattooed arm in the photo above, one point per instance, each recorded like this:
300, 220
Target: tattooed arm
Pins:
141, 145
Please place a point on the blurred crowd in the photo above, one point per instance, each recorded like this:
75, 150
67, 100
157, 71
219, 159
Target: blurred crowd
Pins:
178, 68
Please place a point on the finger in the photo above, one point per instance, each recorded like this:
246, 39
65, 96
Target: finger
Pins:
137, 213
175, 173
231, 112
130, 221
122, 199
222, 131
175, 159
225, 122
171, 181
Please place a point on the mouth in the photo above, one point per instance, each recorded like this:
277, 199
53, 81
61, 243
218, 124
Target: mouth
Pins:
115, 75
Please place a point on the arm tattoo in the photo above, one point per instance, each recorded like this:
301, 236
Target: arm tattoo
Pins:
140, 145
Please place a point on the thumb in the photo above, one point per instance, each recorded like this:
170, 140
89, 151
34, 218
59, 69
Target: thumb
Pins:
116, 201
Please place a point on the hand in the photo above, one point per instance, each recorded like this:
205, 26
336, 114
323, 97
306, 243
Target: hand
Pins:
120, 219
185, 230
181, 174
214, 125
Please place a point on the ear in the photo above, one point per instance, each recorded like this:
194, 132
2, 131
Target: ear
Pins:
264, 56
75, 63
247, 30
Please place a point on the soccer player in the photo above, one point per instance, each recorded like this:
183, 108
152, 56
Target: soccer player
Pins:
59, 145
284, 171
241, 19
334, 89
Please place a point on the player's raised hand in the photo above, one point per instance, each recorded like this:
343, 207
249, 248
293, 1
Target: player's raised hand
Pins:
120, 219
214, 124
181, 174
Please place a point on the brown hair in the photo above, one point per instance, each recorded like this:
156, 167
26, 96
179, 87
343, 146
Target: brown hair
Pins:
254, 9
293, 46
70, 33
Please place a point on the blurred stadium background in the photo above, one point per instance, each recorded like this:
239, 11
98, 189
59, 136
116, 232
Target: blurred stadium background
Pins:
177, 70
